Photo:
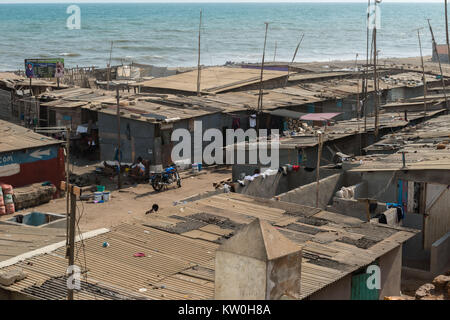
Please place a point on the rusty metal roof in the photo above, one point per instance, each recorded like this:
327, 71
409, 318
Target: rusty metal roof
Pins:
179, 246
16, 240
14, 137
420, 145
213, 79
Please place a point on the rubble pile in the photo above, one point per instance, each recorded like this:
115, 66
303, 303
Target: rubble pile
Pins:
439, 289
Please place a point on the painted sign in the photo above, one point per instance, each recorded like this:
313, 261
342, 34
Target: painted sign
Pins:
9, 170
44, 68
29, 156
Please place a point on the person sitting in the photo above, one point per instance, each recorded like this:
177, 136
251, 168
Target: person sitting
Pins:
138, 169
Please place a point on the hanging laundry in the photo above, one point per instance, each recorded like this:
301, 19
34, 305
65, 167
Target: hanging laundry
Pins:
400, 211
236, 123
382, 218
269, 172
283, 170
251, 178
252, 121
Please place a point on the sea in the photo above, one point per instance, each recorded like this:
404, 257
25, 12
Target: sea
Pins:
166, 34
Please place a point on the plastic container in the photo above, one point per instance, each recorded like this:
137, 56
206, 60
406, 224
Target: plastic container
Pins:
2, 210
10, 208
7, 189
199, 167
100, 188
106, 196
195, 167
98, 196
8, 199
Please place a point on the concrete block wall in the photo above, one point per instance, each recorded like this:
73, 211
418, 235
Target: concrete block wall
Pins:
391, 267
306, 195
239, 276
340, 290
280, 184
353, 208
440, 254
381, 185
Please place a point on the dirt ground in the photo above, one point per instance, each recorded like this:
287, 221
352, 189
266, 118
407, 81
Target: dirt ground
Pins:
130, 203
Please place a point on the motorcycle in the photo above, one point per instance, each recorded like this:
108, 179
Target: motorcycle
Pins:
164, 179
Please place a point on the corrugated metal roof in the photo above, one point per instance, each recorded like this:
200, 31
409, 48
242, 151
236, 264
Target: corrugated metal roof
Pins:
179, 247
420, 147
16, 240
320, 116
213, 79
143, 110
14, 137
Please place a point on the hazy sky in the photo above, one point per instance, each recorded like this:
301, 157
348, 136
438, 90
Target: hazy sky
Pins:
109, 1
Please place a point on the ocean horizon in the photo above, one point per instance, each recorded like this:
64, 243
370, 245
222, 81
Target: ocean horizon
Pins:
166, 34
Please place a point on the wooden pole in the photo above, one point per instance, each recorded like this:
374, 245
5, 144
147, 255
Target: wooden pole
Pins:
358, 105
260, 97
275, 53
440, 65
293, 58
108, 76
423, 75
319, 157
368, 209
375, 75
73, 208
67, 180
366, 75
119, 180
446, 31
199, 49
